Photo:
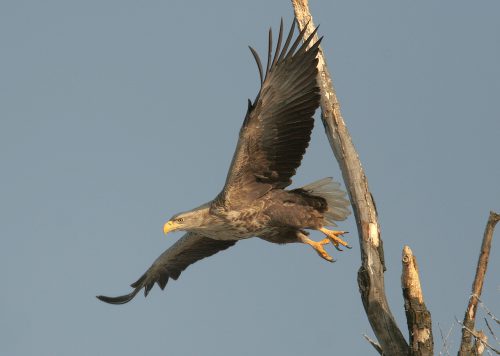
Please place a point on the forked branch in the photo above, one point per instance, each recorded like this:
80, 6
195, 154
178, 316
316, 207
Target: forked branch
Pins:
371, 272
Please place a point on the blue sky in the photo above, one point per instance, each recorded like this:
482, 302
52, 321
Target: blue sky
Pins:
115, 115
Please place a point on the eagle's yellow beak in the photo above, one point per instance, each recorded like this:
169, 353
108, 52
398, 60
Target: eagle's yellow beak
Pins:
169, 226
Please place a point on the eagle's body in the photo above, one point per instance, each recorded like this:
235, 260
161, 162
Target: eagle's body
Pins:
278, 216
254, 202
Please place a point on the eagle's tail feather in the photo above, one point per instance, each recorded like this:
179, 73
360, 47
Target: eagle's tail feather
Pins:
338, 204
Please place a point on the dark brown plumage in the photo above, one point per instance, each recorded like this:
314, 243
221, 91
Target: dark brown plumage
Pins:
186, 251
272, 141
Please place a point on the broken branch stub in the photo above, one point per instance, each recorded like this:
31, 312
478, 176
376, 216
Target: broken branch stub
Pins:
417, 316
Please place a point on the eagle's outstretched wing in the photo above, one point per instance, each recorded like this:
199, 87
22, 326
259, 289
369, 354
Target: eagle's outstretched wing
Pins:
186, 251
277, 127
273, 139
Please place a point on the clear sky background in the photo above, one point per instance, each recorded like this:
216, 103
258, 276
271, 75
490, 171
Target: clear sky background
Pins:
115, 115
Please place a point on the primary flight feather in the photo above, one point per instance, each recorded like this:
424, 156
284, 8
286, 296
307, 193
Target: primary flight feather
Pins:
272, 141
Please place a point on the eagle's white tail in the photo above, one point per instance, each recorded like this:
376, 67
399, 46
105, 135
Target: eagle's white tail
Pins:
338, 204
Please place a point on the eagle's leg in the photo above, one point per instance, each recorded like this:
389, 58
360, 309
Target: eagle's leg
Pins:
333, 236
317, 246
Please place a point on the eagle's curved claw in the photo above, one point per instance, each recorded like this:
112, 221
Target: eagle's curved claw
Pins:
334, 237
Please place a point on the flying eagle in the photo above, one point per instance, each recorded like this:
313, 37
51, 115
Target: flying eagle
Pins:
272, 141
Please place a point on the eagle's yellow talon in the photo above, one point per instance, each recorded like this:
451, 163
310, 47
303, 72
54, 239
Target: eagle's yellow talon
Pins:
334, 237
318, 247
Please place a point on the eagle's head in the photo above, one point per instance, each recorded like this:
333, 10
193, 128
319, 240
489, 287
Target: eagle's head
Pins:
187, 221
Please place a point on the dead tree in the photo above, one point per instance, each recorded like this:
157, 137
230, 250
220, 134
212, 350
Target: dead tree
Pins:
371, 273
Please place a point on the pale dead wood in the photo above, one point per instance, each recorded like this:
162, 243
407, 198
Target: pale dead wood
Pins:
375, 344
371, 272
417, 316
480, 341
466, 346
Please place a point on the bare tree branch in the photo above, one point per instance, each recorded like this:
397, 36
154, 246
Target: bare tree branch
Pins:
371, 272
466, 346
492, 316
375, 344
417, 316
491, 330
480, 340
445, 339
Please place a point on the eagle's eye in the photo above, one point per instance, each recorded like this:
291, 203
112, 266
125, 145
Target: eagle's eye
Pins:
179, 220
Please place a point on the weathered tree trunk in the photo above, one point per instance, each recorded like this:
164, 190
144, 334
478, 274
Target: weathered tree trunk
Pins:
371, 272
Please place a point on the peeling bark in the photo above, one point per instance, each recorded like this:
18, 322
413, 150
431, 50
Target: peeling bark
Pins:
417, 316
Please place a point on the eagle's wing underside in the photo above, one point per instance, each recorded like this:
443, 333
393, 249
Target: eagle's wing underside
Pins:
184, 252
277, 127
273, 139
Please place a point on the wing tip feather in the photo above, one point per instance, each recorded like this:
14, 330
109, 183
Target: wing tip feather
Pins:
122, 299
259, 63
